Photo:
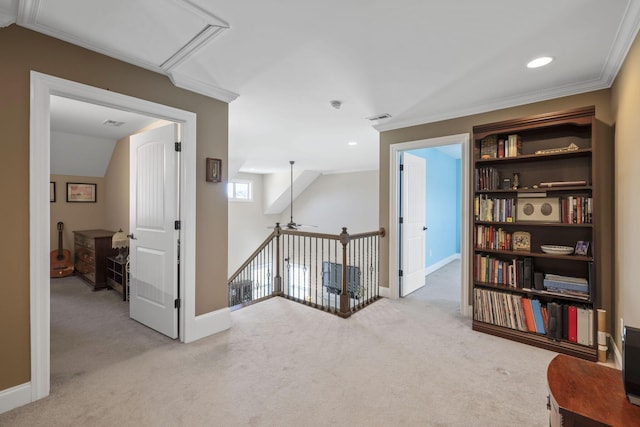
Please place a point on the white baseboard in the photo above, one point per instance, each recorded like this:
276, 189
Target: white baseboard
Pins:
14, 397
468, 311
438, 265
617, 356
209, 324
384, 292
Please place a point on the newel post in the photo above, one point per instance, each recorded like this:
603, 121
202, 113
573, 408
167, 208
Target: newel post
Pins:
277, 280
344, 295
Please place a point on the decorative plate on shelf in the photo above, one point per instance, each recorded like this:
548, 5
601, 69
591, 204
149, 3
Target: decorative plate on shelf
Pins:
556, 249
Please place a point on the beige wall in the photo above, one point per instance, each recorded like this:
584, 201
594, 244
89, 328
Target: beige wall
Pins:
116, 196
24, 50
625, 103
76, 216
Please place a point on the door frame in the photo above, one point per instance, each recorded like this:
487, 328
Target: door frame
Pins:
394, 203
42, 87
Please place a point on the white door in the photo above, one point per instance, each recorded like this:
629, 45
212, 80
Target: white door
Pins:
154, 168
413, 193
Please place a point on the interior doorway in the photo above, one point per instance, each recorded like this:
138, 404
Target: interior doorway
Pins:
395, 229
42, 87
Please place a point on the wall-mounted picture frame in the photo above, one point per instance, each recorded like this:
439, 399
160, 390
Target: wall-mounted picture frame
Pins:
52, 191
582, 247
214, 170
79, 192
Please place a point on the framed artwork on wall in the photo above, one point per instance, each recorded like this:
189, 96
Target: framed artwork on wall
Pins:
52, 191
214, 170
78, 192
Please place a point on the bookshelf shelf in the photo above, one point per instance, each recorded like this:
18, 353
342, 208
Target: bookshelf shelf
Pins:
533, 292
538, 340
586, 152
521, 224
577, 258
567, 189
572, 189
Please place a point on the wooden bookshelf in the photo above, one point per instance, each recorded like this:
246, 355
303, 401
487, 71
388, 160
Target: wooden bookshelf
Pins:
559, 215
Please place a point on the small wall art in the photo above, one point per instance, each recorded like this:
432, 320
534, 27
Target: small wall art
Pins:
214, 170
78, 192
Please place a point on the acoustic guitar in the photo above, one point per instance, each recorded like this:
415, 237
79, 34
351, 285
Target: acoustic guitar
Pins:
61, 265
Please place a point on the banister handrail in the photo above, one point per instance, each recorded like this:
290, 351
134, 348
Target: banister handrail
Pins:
338, 273
380, 233
253, 255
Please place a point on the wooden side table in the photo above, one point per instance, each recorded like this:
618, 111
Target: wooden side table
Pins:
586, 394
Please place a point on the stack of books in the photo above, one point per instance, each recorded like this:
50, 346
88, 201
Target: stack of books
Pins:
567, 285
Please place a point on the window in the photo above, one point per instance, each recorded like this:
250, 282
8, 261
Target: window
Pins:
239, 190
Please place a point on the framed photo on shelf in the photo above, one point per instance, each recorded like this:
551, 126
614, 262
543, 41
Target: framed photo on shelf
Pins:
521, 241
582, 247
538, 209
214, 170
52, 191
78, 192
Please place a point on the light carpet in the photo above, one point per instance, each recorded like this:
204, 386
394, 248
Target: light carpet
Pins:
408, 362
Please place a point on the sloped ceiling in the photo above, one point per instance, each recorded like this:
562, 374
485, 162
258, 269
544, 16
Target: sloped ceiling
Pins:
285, 60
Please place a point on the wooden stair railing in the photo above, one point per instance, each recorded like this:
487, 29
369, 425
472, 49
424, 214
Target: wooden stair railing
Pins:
334, 273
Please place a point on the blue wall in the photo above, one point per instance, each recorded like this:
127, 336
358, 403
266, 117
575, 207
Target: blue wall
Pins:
443, 205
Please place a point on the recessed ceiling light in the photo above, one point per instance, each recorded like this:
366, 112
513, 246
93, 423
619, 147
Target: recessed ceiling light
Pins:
352, 143
540, 62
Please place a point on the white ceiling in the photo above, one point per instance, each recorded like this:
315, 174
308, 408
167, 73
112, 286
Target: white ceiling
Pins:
280, 62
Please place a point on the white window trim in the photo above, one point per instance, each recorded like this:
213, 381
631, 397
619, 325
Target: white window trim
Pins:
241, 181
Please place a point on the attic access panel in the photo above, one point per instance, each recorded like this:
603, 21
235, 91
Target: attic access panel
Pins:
147, 32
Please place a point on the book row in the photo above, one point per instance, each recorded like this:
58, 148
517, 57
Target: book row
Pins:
573, 323
516, 272
486, 179
519, 273
494, 209
494, 146
576, 210
573, 209
490, 237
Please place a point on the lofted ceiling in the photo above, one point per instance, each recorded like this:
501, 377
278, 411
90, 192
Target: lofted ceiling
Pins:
279, 63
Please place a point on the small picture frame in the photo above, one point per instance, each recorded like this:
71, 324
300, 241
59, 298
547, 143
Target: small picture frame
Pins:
214, 170
52, 191
521, 241
79, 192
582, 247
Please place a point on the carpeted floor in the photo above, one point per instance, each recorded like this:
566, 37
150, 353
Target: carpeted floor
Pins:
409, 362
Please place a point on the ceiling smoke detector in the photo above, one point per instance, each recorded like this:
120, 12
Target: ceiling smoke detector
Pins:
336, 104
379, 117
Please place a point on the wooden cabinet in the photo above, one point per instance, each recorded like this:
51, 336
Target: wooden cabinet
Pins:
541, 185
92, 247
118, 276
587, 394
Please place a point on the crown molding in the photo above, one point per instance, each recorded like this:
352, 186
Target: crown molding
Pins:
198, 86
625, 36
193, 45
498, 104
